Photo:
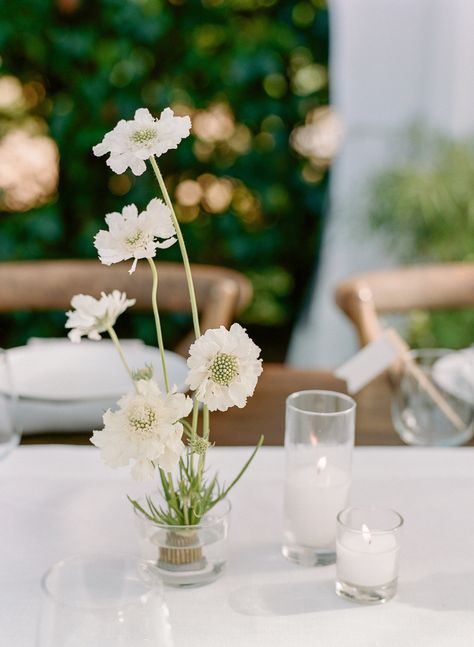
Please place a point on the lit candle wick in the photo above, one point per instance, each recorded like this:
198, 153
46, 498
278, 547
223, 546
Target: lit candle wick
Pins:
321, 464
366, 534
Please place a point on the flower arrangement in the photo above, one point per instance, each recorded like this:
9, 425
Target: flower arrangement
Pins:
147, 429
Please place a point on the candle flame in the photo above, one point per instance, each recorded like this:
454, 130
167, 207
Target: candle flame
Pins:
321, 464
366, 534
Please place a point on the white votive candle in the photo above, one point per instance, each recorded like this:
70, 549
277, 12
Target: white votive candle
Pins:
367, 553
314, 494
367, 563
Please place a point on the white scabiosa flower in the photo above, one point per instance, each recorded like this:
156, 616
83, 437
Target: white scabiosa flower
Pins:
135, 235
144, 430
132, 142
91, 316
224, 367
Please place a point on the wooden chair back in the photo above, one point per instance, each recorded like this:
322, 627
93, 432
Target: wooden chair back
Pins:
221, 293
363, 297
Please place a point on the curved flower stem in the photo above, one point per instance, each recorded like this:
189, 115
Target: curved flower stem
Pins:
156, 314
192, 298
182, 247
189, 279
115, 339
187, 426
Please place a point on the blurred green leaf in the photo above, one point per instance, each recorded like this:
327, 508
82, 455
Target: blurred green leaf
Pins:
425, 208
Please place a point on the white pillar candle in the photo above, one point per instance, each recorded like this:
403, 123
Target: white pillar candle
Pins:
314, 494
367, 558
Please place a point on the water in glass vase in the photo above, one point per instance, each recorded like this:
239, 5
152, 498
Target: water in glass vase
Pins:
188, 556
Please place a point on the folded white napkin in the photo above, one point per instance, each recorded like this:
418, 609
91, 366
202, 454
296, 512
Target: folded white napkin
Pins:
454, 372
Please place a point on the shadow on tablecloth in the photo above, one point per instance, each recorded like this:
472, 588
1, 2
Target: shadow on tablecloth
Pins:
439, 591
286, 598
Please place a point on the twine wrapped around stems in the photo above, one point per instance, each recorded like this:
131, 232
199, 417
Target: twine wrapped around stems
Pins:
182, 550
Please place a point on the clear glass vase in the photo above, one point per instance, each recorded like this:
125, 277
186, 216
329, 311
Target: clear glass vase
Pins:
420, 418
103, 601
188, 556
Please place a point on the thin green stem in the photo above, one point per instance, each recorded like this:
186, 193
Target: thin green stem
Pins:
195, 418
194, 425
156, 314
205, 435
187, 426
182, 247
115, 339
205, 423
185, 511
192, 298
172, 495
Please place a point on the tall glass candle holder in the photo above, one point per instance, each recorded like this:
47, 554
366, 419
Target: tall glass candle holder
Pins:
319, 437
368, 545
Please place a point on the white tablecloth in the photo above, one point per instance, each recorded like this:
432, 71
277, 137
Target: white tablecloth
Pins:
57, 501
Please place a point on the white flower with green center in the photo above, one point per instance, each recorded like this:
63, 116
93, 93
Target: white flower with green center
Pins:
135, 235
145, 430
132, 142
224, 367
91, 316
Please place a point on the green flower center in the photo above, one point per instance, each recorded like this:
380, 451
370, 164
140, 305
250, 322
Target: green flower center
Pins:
224, 369
145, 136
137, 240
199, 445
143, 420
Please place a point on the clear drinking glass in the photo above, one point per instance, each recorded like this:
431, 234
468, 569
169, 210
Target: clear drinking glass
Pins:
103, 601
368, 545
421, 418
10, 431
319, 437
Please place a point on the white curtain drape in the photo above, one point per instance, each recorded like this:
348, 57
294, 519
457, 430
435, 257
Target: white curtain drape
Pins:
393, 63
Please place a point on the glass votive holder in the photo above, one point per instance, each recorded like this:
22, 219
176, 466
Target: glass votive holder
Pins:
103, 601
443, 417
319, 437
367, 545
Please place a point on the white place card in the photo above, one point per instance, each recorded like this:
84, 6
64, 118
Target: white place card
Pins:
369, 362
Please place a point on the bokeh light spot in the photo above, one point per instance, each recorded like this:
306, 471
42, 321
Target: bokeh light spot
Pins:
303, 14
272, 123
309, 79
320, 138
264, 142
241, 140
120, 184
187, 214
275, 85
28, 170
11, 93
214, 124
188, 193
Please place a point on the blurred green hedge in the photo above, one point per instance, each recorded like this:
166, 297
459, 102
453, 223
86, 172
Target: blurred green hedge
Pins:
252, 68
425, 208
